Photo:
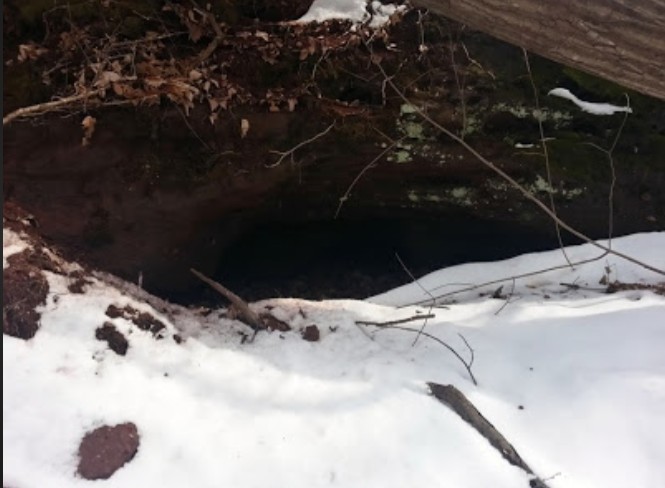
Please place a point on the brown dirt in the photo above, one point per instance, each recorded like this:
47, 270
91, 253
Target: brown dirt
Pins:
142, 320
311, 333
78, 282
114, 338
106, 449
273, 323
24, 289
156, 193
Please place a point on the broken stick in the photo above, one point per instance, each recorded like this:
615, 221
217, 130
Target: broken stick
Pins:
455, 399
248, 316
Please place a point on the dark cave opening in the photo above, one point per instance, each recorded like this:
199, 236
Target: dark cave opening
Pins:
356, 257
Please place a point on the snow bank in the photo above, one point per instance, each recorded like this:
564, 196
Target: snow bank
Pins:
575, 381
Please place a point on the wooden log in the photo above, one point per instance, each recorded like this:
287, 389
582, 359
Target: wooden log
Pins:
619, 40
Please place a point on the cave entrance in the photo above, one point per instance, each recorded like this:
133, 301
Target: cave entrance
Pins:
356, 257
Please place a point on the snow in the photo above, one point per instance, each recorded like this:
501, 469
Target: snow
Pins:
590, 107
11, 244
358, 11
352, 410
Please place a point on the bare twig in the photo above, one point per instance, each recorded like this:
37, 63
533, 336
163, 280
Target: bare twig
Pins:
371, 164
460, 88
146, 40
526, 193
610, 158
41, 108
291, 152
191, 129
502, 280
467, 365
395, 322
471, 351
250, 317
550, 189
408, 271
508, 297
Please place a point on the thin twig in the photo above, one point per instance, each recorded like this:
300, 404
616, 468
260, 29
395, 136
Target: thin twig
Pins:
610, 158
550, 189
502, 280
290, 152
371, 164
467, 366
408, 271
508, 297
189, 126
395, 322
471, 351
460, 88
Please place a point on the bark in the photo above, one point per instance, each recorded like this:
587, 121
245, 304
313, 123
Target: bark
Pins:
618, 40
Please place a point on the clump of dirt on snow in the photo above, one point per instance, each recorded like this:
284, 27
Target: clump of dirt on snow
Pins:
106, 449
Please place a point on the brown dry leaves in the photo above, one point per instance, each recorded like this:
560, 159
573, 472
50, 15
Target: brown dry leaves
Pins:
88, 125
145, 70
30, 52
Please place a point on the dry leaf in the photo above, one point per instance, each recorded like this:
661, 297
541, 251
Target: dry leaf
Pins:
106, 78
262, 35
88, 125
244, 128
30, 52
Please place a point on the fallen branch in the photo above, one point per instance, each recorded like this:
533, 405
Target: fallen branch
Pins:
40, 108
290, 152
248, 316
395, 322
455, 399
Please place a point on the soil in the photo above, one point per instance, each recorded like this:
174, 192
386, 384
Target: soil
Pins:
24, 289
114, 338
311, 333
142, 320
106, 449
156, 192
